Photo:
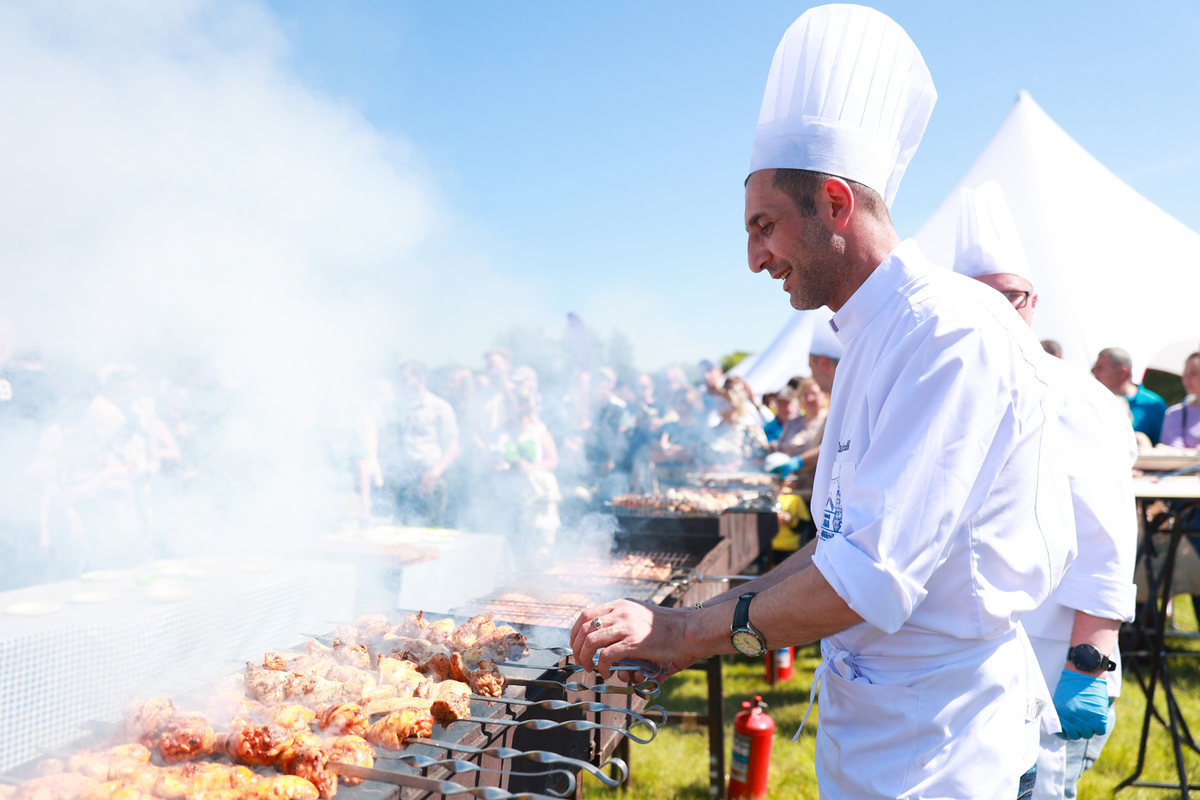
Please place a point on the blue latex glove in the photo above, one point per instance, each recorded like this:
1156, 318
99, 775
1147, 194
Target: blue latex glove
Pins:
788, 467
1082, 705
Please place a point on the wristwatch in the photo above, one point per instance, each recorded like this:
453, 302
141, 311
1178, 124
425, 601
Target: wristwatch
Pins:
1087, 658
746, 640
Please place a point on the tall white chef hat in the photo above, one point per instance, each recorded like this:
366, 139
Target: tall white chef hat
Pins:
988, 242
848, 95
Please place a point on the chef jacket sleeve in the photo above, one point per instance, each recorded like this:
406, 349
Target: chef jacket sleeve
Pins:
943, 421
1101, 450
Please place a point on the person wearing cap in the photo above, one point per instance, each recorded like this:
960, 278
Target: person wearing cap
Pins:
1074, 632
938, 497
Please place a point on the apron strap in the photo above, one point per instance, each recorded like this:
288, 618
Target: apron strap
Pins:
842, 658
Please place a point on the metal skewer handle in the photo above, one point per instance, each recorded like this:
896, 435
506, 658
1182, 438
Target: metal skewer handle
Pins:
647, 690
586, 705
540, 756
430, 784
571, 725
460, 766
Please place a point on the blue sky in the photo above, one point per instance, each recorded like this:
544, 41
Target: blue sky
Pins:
598, 150
412, 178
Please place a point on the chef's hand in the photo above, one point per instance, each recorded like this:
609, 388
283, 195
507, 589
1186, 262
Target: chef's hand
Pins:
630, 629
1082, 705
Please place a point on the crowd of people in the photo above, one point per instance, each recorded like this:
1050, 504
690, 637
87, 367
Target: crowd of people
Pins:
123, 464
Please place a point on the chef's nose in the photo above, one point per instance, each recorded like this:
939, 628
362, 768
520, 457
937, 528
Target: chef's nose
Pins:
757, 255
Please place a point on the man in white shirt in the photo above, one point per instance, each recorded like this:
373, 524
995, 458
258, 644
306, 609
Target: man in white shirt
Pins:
939, 501
1074, 633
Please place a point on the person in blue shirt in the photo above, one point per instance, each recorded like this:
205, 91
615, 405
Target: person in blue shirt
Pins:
1114, 369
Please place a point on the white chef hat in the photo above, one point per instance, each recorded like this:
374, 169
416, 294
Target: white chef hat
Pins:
848, 95
988, 242
825, 342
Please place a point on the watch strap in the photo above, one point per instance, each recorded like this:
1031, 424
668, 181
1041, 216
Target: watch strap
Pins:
741, 612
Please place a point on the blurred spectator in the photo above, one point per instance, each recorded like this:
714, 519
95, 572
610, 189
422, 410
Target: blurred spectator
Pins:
801, 436
738, 443
417, 444
1114, 369
796, 527
494, 395
780, 405
683, 441
1052, 347
606, 440
527, 479
712, 383
754, 414
1181, 425
648, 422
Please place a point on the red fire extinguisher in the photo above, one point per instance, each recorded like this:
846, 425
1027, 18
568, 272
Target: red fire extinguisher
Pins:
780, 664
753, 730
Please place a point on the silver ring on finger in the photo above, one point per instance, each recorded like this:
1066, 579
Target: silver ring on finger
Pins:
597, 624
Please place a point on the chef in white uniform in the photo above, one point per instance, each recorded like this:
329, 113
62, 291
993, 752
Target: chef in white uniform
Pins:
939, 498
1074, 632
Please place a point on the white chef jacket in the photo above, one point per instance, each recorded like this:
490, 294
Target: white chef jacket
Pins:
1099, 451
942, 505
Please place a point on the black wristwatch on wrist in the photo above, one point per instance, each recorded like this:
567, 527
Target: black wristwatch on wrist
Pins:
1087, 658
746, 639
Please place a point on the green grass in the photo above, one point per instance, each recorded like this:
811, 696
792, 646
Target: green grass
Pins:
675, 765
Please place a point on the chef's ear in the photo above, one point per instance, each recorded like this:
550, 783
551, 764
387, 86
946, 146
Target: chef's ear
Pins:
836, 203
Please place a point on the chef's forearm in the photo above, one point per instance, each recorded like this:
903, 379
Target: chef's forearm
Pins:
793, 564
800, 609
1099, 632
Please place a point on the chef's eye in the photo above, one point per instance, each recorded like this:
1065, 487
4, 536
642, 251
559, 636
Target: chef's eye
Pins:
765, 228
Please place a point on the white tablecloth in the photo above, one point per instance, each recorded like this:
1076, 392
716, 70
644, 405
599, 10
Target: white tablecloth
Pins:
160, 628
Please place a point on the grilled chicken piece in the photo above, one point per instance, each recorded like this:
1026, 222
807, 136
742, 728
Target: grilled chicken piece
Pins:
377, 707
471, 631
292, 716
145, 720
401, 674
274, 686
439, 632
350, 750
191, 780
415, 650
52, 766
343, 718
114, 790
484, 677
314, 648
502, 644
64, 786
185, 738
258, 745
391, 731
274, 661
411, 627
356, 655
372, 626
304, 758
317, 666
436, 667
356, 683
452, 702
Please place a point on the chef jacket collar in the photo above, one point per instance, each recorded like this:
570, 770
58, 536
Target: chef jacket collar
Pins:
892, 273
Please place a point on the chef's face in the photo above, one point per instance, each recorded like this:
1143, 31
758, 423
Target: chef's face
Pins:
792, 248
1016, 290
1191, 376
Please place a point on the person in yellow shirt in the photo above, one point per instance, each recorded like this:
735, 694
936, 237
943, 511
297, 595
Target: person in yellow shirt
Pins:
795, 522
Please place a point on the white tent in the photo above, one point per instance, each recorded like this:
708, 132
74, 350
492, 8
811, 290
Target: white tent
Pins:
1111, 269
785, 357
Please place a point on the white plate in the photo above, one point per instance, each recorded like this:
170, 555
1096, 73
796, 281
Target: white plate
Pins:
33, 608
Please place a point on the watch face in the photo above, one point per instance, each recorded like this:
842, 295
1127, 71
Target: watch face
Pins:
1086, 658
747, 643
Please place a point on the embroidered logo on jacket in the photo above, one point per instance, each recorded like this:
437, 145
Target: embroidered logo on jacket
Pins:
843, 446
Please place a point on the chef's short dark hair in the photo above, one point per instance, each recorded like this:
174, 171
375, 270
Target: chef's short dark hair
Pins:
802, 186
